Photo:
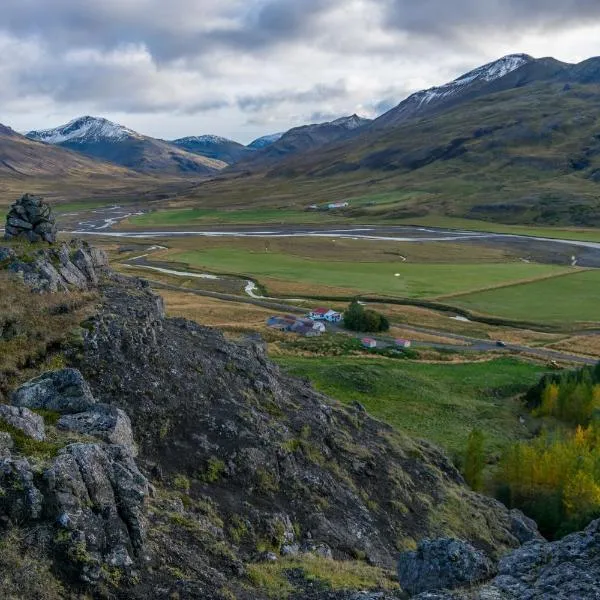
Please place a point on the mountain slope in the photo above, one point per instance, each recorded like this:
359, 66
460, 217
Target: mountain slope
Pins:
265, 140
523, 148
100, 138
505, 73
215, 147
307, 137
21, 157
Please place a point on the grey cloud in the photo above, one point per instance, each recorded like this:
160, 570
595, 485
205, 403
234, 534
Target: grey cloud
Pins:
447, 19
170, 30
318, 93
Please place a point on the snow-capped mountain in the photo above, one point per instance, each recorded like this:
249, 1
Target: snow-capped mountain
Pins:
105, 140
214, 146
467, 85
265, 140
83, 130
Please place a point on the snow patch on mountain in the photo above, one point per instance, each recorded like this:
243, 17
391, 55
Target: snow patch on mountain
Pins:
203, 139
84, 130
351, 122
489, 72
265, 140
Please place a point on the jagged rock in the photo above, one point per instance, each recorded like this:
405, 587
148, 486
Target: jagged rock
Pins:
31, 218
72, 265
561, 570
20, 500
524, 528
6, 441
109, 423
442, 564
97, 494
64, 391
28, 422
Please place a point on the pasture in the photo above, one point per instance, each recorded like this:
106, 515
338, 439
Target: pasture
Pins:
571, 298
439, 402
396, 279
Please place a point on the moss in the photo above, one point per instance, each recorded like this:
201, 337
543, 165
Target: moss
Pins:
271, 578
237, 528
50, 417
266, 482
214, 470
181, 482
291, 445
30, 447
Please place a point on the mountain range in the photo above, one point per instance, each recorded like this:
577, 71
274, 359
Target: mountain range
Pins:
514, 139
101, 139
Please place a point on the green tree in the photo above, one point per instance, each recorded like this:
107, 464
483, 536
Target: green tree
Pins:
475, 460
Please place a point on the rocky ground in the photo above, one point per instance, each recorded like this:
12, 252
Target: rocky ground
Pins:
164, 461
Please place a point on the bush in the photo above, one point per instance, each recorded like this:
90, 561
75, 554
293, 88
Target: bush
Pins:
357, 318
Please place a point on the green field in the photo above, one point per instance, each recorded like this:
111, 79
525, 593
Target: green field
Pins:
414, 281
438, 402
569, 299
202, 216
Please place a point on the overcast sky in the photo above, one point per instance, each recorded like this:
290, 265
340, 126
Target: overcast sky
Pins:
244, 68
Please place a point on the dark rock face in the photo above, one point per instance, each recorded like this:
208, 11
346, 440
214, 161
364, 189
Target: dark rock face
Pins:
109, 423
31, 218
562, 570
267, 449
73, 265
97, 495
28, 422
64, 391
442, 564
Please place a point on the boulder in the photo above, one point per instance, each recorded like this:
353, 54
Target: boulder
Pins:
28, 422
442, 564
64, 391
107, 422
31, 218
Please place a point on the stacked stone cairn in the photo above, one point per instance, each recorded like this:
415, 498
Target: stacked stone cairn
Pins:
31, 218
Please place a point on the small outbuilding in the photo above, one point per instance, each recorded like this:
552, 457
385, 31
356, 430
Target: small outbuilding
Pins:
401, 343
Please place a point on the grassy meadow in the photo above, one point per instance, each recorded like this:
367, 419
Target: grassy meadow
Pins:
438, 402
571, 298
399, 279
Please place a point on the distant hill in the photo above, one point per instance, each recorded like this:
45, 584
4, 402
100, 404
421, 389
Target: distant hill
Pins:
265, 140
108, 141
215, 147
305, 138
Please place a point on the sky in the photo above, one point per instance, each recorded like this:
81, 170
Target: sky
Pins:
245, 68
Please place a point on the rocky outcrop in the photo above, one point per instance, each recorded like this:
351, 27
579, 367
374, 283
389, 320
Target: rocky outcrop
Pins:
28, 422
563, 570
108, 423
267, 451
31, 218
75, 265
442, 564
96, 494
64, 391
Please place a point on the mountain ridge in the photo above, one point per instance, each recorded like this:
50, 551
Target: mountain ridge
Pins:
102, 139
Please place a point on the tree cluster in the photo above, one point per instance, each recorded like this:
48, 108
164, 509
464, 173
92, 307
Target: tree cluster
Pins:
555, 478
357, 318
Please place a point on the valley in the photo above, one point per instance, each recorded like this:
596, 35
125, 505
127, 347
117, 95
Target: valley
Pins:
298, 358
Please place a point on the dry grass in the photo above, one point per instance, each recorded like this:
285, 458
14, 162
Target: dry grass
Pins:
35, 328
585, 345
399, 332
229, 316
